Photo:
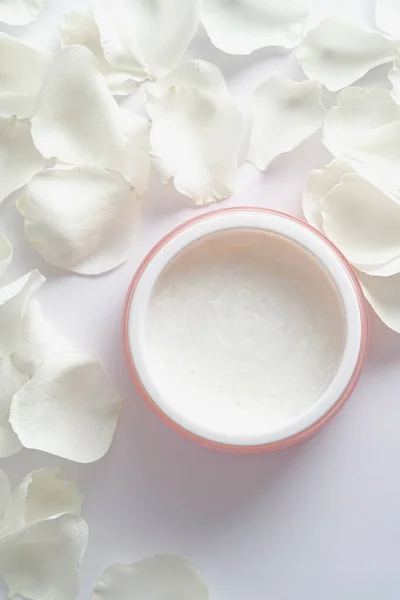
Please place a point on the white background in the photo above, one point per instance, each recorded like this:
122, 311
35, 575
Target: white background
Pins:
319, 521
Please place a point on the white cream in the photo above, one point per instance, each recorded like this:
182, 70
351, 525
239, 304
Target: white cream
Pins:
244, 332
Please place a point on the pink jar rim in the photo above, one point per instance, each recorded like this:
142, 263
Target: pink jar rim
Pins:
284, 442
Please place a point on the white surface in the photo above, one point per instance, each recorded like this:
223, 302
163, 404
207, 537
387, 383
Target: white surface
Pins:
289, 417
319, 521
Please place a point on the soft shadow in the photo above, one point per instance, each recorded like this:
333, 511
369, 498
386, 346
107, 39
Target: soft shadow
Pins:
384, 347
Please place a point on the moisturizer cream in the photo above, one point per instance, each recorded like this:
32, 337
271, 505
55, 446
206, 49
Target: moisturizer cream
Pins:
245, 328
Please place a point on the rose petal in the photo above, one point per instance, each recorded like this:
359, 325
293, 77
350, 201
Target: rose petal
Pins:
40, 496
80, 28
156, 578
244, 25
340, 51
364, 130
22, 71
43, 560
20, 12
364, 223
394, 77
19, 159
387, 16
383, 294
81, 409
146, 38
285, 113
5, 494
319, 183
12, 379
195, 138
14, 301
79, 122
6, 253
83, 219
199, 73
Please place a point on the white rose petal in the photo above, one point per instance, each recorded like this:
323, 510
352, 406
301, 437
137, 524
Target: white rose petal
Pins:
387, 16
80, 405
285, 113
5, 494
157, 578
340, 51
394, 77
364, 223
83, 219
80, 28
244, 25
14, 301
20, 12
6, 253
383, 294
79, 122
12, 379
364, 131
319, 183
195, 138
22, 71
146, 38
19, 159
42, 560
198, 73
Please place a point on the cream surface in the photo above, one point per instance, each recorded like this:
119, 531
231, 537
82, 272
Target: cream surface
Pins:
244, 332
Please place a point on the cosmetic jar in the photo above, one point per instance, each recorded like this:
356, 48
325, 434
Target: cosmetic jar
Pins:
245, 329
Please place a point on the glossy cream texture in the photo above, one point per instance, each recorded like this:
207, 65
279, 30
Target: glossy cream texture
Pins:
244, 332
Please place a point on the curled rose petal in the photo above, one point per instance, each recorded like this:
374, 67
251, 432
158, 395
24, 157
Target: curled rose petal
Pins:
81, 409
244, 25
146, 39
340, 51
364, 223
22, 71
5, 494
285, 113
12, 379
319, 183
20, 12
80, 28
83, 219
387, 16
42, 560
383, 294
79, 122
394, 77
155, 578
195, 138
6, 253
19, 159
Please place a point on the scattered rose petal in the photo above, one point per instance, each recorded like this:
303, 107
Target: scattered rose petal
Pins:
12, 379
19, 159
319, 183
14, 301
244, 25
81, 409
394, 77
6, 253
5, 494
20, 12
157, 578
42, 560
22, 71
383, 294
285, 113
340, 51
364, 130
80, 28
79, 122
364, 223
195, 138
83, 219
199, 73
146, 38
387, 16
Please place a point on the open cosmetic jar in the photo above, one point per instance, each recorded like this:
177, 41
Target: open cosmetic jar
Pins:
245, 329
